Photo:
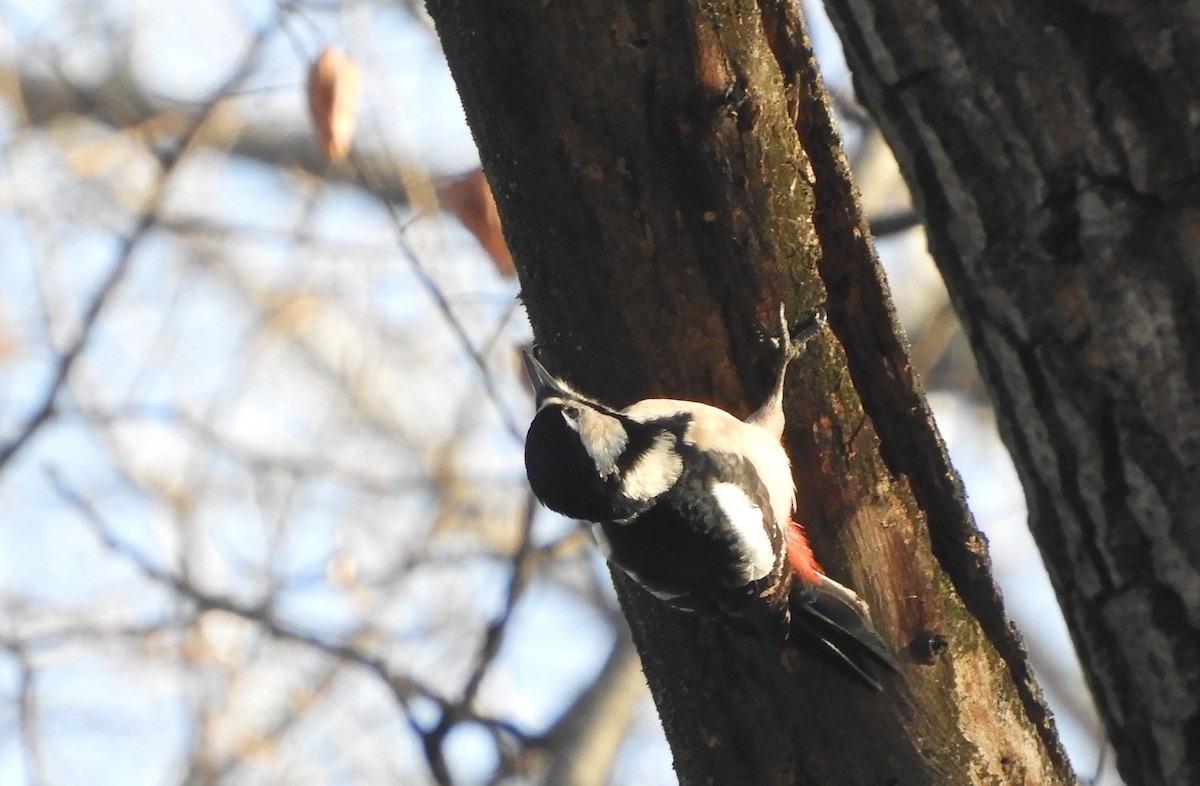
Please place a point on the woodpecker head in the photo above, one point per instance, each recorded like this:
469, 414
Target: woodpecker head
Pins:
590, 462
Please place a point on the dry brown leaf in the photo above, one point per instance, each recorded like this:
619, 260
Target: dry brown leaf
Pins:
334, 83
470, 199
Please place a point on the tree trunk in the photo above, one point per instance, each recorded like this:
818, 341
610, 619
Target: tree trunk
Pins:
667, 174
1054, 151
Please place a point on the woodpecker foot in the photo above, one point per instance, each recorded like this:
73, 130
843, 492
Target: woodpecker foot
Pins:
794, 337
770, 414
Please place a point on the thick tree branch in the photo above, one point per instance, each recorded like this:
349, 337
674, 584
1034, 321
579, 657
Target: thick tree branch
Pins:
662, 195
1052, 150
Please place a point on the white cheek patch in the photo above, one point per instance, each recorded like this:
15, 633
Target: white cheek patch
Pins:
757, 558
604, 439
655, 471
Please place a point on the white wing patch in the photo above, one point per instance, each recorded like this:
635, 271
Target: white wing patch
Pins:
746, 518
655, 471
712, 426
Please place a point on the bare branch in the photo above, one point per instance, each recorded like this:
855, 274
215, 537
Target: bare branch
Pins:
44, 410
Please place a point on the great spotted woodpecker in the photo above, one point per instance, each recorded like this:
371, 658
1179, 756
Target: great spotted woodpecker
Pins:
696, 506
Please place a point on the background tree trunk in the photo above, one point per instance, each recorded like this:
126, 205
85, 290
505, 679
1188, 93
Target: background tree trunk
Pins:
1054, 152
667, 174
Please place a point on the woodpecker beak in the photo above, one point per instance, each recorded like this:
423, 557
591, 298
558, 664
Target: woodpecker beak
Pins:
544, 383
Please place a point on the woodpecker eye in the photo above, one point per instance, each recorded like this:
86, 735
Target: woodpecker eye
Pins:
571, 412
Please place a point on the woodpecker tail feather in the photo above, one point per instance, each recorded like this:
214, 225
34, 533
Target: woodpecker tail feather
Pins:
837, 618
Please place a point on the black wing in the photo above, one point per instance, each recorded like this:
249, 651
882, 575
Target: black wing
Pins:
710, 544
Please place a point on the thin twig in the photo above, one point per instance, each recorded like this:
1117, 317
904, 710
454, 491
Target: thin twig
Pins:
443, 304
405, 689
523, 561
44, 411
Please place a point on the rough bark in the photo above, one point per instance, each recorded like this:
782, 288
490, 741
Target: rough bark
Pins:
1053, 149
667, 173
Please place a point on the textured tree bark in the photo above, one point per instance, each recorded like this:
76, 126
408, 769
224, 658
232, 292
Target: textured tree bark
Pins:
667, 173
1054, 151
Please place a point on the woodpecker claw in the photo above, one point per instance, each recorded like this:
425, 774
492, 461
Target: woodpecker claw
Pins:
793, 337
796, 336
770, 414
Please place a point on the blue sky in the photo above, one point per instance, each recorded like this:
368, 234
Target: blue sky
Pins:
268, 418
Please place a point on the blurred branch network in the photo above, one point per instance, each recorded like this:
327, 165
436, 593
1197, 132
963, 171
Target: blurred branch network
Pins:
263, 517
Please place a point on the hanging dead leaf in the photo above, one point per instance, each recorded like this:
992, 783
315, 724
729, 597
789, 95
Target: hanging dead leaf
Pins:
470, 199
334, 83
